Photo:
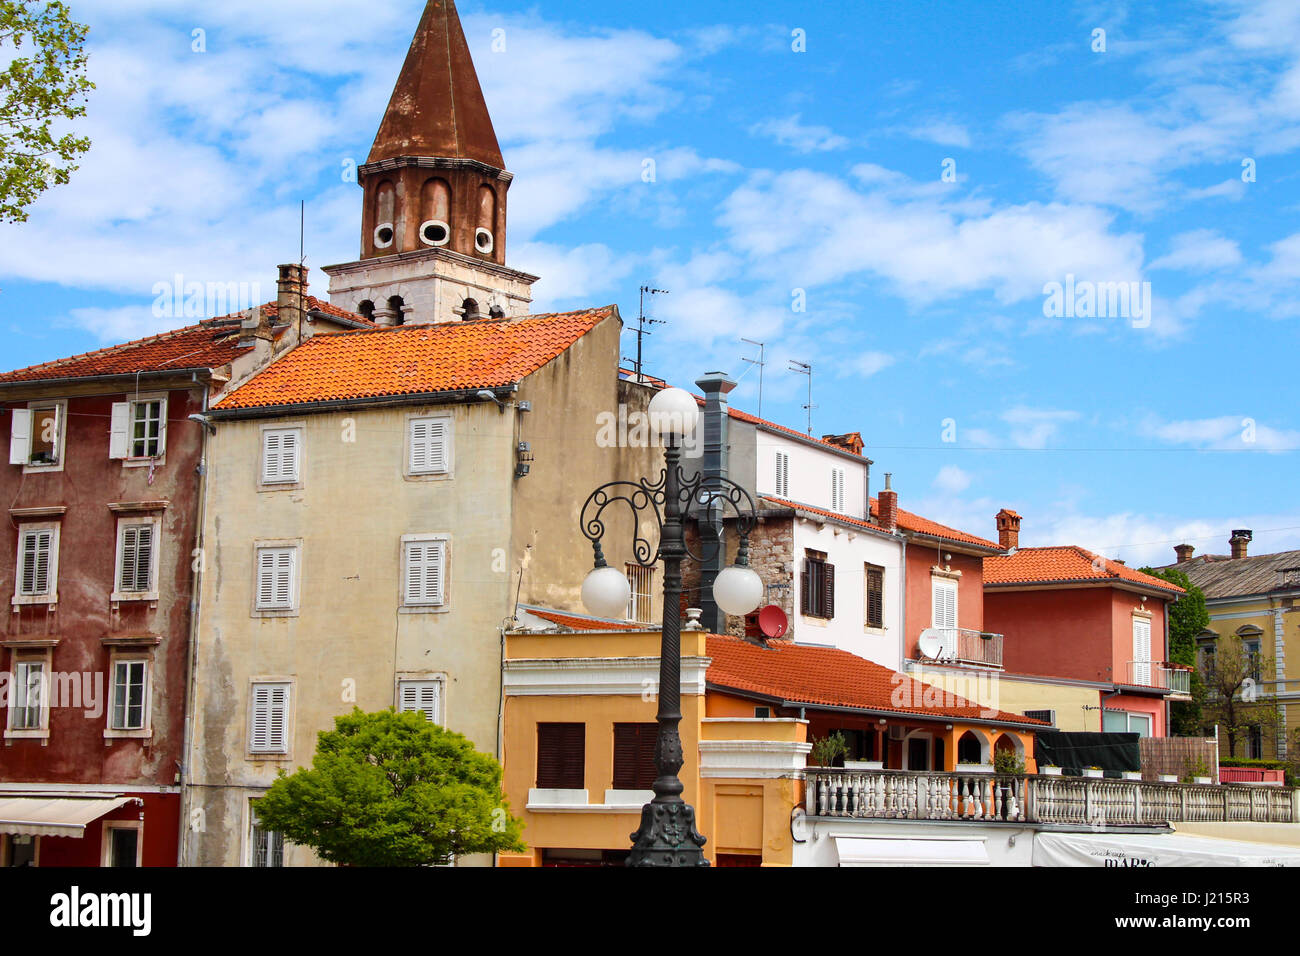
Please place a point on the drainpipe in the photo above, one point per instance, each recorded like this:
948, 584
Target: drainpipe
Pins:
1115, 693
713, 540
191, 652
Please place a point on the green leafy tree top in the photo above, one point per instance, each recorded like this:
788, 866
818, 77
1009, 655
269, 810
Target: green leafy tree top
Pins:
390, 789
1188, 619
43, 84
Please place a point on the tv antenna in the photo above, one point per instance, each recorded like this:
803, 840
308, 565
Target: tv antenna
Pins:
643, 323
803, 368
762, 352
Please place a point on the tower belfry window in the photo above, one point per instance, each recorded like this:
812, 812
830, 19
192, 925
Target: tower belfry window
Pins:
435, 233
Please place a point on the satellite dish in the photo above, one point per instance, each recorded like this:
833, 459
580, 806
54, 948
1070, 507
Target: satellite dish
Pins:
772, 621
931, 643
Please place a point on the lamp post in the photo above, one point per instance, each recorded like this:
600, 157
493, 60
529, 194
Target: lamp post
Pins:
667, 836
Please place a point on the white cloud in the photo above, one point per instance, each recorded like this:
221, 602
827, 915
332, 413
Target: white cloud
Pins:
868, 364
1035, 427
1199, 249
804, 138
941, 133
1224, 432
951, 479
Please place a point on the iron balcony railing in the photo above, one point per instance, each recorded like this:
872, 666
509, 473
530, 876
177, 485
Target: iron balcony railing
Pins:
965, 645
986, 797
1159, 675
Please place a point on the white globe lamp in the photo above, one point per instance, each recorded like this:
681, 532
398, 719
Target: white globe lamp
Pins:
674, 413
738, 590
605, 593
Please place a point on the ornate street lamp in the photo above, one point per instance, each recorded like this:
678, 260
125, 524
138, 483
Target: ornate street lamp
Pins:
667, 836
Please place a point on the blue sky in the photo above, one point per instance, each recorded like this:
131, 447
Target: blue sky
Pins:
782, 175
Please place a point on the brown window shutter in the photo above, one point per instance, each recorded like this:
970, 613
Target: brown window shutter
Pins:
829, 590
561, 756
805, 588
634, 756
875, 597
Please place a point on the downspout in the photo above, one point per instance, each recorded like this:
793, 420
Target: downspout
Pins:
1168, 659
902, 602
1105, 697
191, 652
713, 464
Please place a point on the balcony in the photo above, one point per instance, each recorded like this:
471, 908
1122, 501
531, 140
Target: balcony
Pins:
1159, 675
966, 646
982, 797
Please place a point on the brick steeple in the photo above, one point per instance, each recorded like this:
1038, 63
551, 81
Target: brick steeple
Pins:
435, 178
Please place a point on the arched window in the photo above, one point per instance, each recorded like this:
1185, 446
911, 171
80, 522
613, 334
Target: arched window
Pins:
395, 305
496, 312
970, 748
435, 213
385, 236
470, 309
366, 310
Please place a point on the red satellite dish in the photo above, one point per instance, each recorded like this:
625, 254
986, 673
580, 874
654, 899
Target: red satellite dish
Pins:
772, 621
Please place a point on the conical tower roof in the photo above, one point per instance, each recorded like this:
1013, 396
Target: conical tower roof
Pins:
437, 108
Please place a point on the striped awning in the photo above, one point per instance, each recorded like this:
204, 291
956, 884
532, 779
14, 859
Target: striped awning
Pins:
55, 816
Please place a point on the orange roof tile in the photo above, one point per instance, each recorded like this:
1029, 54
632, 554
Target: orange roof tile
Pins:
1065, 564
206, 345
575, 623
833, 678
822, 511
914, 523
414, 360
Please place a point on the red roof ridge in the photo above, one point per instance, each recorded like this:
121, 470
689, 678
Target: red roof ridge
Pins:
1014, 569
106, 350
919, 524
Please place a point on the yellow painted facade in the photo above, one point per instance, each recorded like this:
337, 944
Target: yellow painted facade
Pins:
1075, 704
732, 772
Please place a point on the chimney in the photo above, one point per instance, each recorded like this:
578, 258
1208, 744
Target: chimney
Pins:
1008, 529
713, 464
1239, 540
255, 333
888, 506
852, 442
1184, 552
291, 298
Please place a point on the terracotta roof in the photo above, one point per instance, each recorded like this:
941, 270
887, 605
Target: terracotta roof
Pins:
782, 502
1065, 564
1221, 576
915, 524
834, 678
206, 345
575, 623
414, 360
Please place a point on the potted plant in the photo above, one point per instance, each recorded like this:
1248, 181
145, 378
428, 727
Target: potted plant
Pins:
1093, 772
1049, 770
968, 767
826, 750
1196, 772
1008, 763
1168, 778
1132, 774
864, 765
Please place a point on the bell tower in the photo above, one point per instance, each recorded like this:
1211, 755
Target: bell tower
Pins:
433, 223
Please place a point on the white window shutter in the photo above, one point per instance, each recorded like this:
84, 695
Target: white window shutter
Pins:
289, 453
20, 436
119, 430
428, 441
269, 730
284, 578
425, 570
130, 541
424, 696
270, 456
275, 578
36, 562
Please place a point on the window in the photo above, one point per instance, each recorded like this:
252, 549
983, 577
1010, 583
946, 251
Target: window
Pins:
943, 593
424, 571
1125, 722
561, 756
138, 428
837, 489
276, 578
1254, 743
121, 844
30, 696
428, 442
1250, 650
422, 695
265, 847
640, 605
36, 436
782, 474
817, 586
137, 560
875, 597
281, 453
36, 580
268, 731
634, 756
130, 695
1205, 654
1142, 651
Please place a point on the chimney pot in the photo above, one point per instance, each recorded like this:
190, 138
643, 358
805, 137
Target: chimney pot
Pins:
291, 296
1184, 552
1240, 541
1008, 524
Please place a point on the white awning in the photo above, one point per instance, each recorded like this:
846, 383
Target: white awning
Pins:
1156, 849
879, 851
55, 816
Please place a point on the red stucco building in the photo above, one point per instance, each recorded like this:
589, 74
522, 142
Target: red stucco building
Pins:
99, 559
1072, 615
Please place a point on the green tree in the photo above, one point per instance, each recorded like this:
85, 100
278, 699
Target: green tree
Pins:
1188, 619
1234, 700
390, 789
44, 83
